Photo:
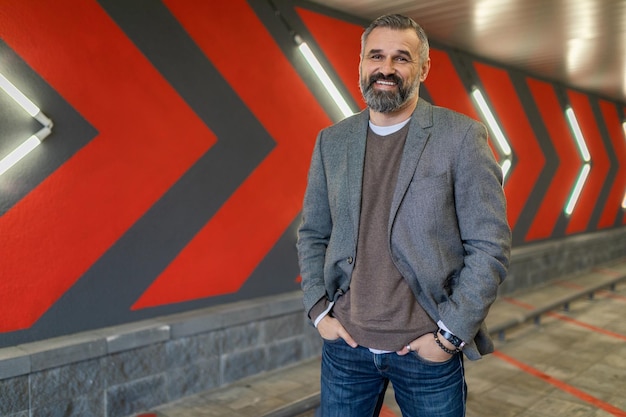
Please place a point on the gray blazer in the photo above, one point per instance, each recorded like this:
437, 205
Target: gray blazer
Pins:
448, 233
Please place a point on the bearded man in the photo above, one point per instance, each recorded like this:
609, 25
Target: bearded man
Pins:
404, 239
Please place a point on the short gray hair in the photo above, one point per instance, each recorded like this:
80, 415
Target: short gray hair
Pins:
398, 22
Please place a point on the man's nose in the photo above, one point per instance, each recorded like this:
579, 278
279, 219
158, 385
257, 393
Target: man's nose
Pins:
387, 67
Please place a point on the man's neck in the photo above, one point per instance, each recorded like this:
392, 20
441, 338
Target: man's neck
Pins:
392, 118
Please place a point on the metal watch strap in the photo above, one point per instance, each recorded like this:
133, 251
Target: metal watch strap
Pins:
458, 343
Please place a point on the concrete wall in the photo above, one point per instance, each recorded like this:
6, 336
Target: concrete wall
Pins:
123, 370
536, 264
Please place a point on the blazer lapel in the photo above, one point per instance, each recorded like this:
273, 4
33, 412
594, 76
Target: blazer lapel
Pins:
357, 137
416, 140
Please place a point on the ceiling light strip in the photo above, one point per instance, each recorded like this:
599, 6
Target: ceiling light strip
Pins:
578, 134
573, 199
501, 141
18, 96
506, 167
31, 143
18, 153
321, 74
584, 153
503, 144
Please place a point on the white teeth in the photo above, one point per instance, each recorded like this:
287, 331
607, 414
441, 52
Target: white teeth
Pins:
385, 82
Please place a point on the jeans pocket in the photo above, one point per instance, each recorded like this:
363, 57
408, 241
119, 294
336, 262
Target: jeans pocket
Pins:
433, 363
333, 341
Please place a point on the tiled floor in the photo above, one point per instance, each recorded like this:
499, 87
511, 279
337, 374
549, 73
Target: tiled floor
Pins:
572, 365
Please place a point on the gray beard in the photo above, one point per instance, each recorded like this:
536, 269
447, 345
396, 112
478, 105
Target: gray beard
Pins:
383, 101
386, 101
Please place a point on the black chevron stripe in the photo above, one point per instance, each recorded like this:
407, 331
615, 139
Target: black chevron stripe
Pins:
137, 258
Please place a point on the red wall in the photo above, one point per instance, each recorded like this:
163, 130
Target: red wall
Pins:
183, 130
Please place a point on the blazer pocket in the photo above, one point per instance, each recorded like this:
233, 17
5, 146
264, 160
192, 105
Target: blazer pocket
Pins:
425, 219
427, 196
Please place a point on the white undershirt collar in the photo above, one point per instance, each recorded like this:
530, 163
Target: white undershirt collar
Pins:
387, 130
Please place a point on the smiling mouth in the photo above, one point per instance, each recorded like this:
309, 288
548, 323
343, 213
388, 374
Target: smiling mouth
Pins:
381, 80
384, 82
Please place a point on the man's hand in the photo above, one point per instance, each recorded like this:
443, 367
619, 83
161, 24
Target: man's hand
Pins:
330, 329
426, 347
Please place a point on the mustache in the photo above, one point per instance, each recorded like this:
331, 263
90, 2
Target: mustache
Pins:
379, 76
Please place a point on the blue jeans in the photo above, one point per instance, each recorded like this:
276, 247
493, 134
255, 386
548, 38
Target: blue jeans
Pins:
354, 379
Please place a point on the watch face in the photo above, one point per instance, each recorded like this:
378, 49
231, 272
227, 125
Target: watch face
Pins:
451, 338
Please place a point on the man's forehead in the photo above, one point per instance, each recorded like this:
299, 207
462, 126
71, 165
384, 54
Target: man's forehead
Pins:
382, 38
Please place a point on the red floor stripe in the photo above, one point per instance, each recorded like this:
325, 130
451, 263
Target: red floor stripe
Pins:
588, 326
569, 285
518, 303
608, 271
386, 412
568, 319
562, 385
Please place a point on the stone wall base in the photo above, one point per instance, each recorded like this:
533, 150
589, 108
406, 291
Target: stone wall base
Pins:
124, 370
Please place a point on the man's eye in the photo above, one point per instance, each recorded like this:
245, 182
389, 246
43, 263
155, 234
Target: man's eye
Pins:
402, 59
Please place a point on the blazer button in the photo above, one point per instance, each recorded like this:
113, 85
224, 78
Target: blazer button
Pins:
350, 260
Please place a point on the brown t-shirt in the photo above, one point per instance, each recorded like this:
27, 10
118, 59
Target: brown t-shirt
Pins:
379, 310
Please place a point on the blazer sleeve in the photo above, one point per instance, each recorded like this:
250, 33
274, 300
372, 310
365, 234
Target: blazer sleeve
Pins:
314, 230
480, 206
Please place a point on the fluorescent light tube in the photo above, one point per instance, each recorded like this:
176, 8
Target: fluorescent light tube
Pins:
18, 96
31, 143
503, 144
573, 199
18, 153
578, 134
323, 77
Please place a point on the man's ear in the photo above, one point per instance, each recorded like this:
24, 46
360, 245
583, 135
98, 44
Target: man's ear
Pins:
424, 70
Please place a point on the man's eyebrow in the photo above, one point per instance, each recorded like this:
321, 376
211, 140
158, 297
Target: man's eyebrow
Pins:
399, 51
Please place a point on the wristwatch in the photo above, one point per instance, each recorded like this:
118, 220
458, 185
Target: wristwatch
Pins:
458, 343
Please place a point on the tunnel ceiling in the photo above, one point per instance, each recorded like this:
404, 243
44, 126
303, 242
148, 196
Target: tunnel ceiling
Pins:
580, 43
